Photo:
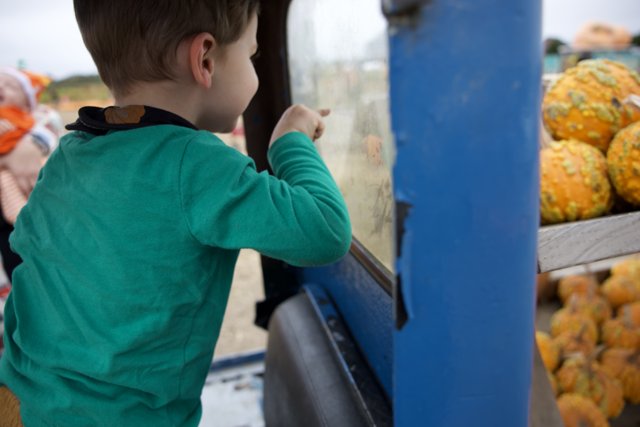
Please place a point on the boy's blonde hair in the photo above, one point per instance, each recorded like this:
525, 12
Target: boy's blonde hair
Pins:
132, 41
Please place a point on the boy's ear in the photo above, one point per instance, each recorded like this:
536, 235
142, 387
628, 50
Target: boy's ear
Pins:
201, 58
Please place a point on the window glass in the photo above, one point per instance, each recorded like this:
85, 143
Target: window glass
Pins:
338, 60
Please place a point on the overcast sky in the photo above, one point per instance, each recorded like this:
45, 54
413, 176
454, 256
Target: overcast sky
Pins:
43, 33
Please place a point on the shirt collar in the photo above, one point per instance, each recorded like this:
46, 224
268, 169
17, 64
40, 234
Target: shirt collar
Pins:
99, 121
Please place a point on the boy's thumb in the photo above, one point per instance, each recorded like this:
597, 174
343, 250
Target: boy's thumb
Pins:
324, 112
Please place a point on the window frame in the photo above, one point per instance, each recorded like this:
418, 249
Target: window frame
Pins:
260, 118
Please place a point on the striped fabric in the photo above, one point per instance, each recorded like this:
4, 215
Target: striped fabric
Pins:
12, 199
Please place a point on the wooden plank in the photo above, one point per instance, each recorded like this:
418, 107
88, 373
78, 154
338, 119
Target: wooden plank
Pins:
581, 242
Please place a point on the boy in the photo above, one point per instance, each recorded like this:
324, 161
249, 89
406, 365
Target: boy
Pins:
130, 237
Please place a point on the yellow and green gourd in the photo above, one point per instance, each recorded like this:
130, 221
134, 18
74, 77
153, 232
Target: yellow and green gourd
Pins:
573, 182
623, 160
587, 102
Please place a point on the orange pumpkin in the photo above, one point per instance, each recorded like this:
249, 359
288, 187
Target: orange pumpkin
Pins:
623, 161
595, 306
570, 319
578, 411
573, 375
620, 290
587, 102
586, 377
549, 350
627, 267
574, 183
609, 394
624, 364
581, 284
618, 333
613, 360
575, 342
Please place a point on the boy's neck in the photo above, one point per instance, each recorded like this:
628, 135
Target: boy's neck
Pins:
168, 96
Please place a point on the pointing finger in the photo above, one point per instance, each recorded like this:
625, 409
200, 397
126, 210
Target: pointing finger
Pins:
319, 131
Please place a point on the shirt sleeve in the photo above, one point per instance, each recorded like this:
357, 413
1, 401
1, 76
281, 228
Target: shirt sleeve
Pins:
298, 215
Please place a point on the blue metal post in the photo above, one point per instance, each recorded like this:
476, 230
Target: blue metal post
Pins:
465, 95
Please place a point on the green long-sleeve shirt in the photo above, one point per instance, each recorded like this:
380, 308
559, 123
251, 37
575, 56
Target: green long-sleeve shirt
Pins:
129, 242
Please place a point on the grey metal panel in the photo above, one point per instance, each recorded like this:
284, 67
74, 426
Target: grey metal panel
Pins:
303, 385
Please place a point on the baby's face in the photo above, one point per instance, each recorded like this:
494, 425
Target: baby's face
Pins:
11, 93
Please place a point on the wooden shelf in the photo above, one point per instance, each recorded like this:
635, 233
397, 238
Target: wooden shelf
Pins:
582, 242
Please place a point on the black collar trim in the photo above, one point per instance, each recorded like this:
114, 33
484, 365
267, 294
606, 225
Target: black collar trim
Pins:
99, 121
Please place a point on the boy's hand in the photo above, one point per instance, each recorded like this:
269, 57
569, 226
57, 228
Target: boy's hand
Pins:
299, 118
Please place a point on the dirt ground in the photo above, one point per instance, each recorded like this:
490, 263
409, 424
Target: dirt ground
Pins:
238, 332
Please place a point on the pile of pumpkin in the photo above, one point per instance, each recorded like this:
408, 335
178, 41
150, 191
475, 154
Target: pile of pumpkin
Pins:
593, 163
592, 352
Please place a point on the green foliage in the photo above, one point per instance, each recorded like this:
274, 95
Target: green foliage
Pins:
76, 88
78, 81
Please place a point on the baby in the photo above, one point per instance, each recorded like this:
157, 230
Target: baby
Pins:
18, 98
19, 91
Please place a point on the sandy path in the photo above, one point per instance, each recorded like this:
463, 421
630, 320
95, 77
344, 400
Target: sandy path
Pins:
238, 333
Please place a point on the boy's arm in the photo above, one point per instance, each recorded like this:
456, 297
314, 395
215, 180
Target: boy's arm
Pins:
298, 216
